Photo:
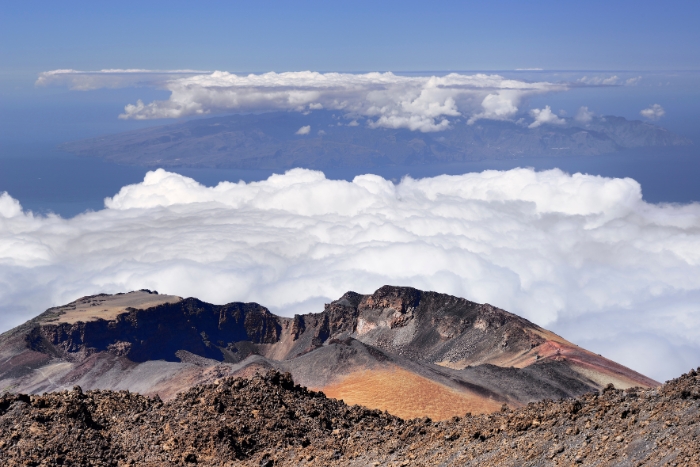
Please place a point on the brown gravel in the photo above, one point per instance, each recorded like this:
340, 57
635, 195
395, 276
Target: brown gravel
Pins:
268, 421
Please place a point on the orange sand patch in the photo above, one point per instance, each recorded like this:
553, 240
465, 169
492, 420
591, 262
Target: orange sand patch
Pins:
407, 395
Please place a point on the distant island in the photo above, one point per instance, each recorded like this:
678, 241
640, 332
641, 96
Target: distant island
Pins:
324, 139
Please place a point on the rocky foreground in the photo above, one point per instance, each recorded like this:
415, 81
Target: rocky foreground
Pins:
268, 420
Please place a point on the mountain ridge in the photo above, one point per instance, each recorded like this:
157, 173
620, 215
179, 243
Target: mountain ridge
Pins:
479, 356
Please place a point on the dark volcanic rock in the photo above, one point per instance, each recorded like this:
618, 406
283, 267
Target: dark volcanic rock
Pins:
268, 420
159, 332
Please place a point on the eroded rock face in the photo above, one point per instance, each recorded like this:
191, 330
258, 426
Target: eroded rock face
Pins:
156, 333
476, 354
268, 420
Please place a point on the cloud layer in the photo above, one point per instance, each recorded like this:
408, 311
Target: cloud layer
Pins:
583, 255
386, 100
77, 80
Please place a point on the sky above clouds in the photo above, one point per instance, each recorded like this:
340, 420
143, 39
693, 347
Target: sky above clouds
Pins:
349, 36
598, 40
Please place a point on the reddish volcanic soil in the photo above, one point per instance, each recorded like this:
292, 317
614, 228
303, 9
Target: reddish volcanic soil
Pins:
407, 395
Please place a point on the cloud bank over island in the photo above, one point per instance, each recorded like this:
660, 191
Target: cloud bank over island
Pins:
419, 103
386, 100
582, 255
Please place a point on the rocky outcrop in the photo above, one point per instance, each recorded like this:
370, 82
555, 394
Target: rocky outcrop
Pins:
159, 332
268, 421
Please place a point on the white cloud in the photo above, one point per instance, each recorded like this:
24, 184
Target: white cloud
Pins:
305, 130
543, 116
654, 112
633, 81
599, 80
498, 106
580, 254
9, 207
387, 100
584, 115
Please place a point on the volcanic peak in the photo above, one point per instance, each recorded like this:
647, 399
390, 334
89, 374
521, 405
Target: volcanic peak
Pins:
445, 354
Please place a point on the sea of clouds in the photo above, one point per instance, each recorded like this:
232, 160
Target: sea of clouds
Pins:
582, 255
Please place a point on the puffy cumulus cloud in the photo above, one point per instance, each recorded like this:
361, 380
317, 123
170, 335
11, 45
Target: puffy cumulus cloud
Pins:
9, 207
386, 100
543, 116
583, 115
653, 112
582, 255
113, 78
305, 130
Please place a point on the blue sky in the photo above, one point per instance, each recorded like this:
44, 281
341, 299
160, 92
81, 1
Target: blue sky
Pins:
355, 36
348, 36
